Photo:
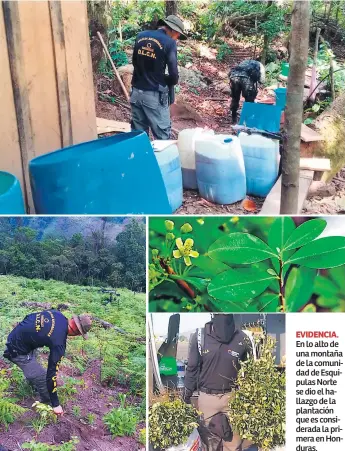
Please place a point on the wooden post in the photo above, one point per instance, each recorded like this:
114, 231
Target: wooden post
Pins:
331, 75
312, 90
61, 72
20, 93
294, 107
113, 66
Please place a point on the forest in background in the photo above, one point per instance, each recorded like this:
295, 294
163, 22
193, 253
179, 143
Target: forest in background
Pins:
90, 257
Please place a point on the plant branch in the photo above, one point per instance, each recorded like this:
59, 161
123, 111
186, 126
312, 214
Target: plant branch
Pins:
181, 283
281, 286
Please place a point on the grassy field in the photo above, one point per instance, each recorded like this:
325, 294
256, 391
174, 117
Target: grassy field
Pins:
95, 377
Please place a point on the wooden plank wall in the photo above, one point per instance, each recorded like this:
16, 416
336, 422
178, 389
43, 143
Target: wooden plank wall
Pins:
10, 156
51, 101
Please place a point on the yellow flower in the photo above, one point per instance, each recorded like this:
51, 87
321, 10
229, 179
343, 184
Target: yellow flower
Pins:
169, 225
185, 250
234, 219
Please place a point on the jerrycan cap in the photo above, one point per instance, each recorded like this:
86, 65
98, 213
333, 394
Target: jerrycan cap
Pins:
228, 140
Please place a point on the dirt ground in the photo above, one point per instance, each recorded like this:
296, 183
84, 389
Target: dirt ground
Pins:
95, 399
210, 108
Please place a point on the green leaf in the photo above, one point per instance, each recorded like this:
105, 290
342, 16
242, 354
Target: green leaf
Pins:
268, 302
305, 233
308, 121
327, 302
338, 275
209, 266
325, 287
327, 252
299, 288
240, 248
279, 232
310, 308
239, 285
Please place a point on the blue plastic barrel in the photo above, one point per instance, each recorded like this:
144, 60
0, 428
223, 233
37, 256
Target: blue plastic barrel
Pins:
281, 97
170, 166
220, 170
115, 175
11, 197
261, 160
261, 116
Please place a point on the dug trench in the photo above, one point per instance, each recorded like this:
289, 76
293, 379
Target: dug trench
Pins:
93, 398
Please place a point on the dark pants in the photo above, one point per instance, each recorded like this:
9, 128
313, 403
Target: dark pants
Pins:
148, 113
34, 373
244, 86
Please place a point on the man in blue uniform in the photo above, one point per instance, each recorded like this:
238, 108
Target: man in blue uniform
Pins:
48, 328
244, 79
154, 51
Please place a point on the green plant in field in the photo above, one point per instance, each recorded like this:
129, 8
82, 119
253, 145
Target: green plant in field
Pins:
171, 423
121, 421
241, 271
258, 406
76, 410
9, 410
90, 418
184, 55
69, 389
142, 436
21, 387
38, 446
223, 52
45, 416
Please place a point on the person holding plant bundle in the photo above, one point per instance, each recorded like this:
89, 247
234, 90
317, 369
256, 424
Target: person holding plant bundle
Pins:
214, 358
48, 328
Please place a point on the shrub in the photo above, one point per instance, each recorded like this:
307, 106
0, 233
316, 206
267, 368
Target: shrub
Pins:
171, 423
9, 410
257, 410
142, 436
121, 421
184, 55
223, 52
37, 446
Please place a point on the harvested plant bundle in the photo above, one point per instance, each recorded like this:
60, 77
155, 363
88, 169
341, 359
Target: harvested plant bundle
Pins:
171, 423
257, 410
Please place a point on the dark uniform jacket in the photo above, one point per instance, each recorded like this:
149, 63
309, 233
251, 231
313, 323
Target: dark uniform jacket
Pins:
48, 328
153, 51
215, 370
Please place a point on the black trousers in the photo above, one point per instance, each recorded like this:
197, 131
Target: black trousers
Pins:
244, 86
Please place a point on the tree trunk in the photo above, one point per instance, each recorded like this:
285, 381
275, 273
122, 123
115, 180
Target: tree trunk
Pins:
171, 7
312, 90
294, 107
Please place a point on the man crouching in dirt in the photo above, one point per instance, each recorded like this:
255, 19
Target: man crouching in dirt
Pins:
48, 328
244, 79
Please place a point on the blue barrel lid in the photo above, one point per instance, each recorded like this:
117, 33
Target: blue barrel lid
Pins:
227, 140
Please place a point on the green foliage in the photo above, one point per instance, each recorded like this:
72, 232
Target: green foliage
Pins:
122, 421
9, 410
223, 52
272, 73
257, 409
184, 55
117, 53
252, 264
81, 259
21, 387
76, 410
45, 416
90, 418
142, 436
171, 423
38, 446
331, 290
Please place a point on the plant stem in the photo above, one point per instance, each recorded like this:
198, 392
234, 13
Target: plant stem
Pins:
281, 285
181, 283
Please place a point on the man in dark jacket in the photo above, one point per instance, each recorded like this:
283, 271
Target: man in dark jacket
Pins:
154, 50
244, 79
48, 328
214, 360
